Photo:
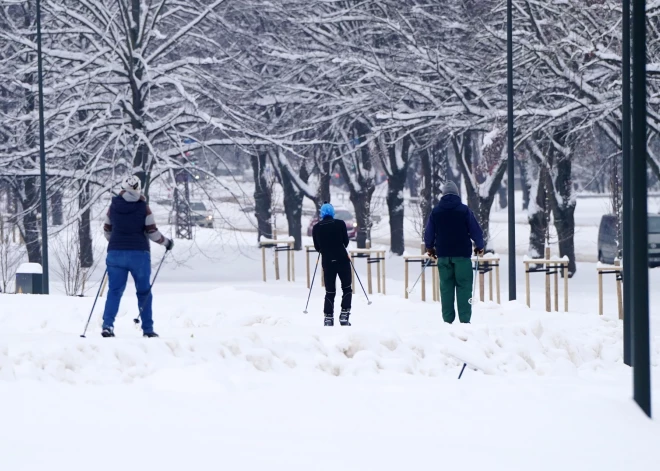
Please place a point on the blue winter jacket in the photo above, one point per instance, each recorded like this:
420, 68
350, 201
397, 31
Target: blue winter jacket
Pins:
127, 228
450, 228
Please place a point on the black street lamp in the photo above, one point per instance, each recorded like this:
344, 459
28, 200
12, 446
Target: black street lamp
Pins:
42, 156
639, 293
510, 168
627, 196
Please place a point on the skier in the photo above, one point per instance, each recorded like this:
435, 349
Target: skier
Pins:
330, 240
129, 224
447, 238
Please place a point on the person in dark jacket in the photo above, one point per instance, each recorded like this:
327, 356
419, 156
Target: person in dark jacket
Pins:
129, 225
447, 238
330, 240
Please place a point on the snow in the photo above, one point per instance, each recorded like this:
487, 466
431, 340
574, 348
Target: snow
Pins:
240, 376
30, 268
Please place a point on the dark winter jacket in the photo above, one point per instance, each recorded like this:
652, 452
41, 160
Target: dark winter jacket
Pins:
130, 224
331, 239
450, 228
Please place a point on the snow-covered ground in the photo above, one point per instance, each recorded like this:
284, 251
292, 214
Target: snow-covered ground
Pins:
242, 379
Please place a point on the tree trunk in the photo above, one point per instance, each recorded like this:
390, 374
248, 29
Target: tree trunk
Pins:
293, 202
363, 189
399, 156
395, 206
84, 230
323, 190
262, 196
30, 227
564, 212
481, 202
526, 188
56, 209
537, 215
434, 163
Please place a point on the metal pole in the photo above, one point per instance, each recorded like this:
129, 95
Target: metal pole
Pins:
42, 156
627, 197
510, 177
640, 288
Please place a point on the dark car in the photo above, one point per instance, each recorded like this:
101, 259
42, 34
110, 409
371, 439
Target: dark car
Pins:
342, 214
608, 248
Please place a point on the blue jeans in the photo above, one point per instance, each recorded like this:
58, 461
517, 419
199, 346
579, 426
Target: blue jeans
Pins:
120, 263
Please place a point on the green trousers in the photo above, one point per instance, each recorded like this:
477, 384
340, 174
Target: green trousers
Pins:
455, 283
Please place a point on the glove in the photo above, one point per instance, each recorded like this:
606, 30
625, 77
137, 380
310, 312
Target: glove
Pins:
478, 252
169, 244
431, 252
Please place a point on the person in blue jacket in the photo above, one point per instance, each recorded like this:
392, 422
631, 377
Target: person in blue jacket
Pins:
129, 225
449, 234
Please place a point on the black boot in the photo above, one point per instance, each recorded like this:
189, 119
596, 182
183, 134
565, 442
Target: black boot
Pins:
343, 317
329, 320
150, 335
108, 332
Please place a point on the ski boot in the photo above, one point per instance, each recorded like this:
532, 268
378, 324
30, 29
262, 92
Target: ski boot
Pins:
107, 332
150, 335
329, 320
343, 317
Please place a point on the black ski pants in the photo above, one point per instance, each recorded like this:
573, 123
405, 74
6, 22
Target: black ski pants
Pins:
331, 270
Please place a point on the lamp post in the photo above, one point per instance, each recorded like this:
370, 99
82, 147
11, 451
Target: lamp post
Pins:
641, 354
510, 168
627, 197
42, 156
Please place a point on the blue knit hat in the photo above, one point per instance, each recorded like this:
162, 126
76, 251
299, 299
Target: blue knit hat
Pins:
327, 210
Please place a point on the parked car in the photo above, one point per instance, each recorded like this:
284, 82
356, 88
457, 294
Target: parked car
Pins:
343, 214
200, 216
608, 249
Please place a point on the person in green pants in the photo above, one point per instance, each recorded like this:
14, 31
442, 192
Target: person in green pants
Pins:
449, 234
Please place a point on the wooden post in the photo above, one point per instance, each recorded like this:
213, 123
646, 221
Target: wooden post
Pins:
566, 287
263, 261
548, 304
378, 271
307, 265
436, 284
482, 282
619, 296
383, 255
600, 293
369, 284
276, 256
105, 283
405, 277
497, 281
293, 262
423, 281
352, 272
527, 284
490, 282
288, 263
556, 269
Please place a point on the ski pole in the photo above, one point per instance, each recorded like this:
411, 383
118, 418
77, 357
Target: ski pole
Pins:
428, 262
358, 278
474, 282
137, 319
312, 284
462, 370
94, 305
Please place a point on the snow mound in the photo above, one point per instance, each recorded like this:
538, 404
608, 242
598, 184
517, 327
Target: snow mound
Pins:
219, 333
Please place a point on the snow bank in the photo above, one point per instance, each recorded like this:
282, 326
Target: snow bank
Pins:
243, 331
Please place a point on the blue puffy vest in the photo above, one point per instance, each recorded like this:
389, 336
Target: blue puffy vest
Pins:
128, 230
